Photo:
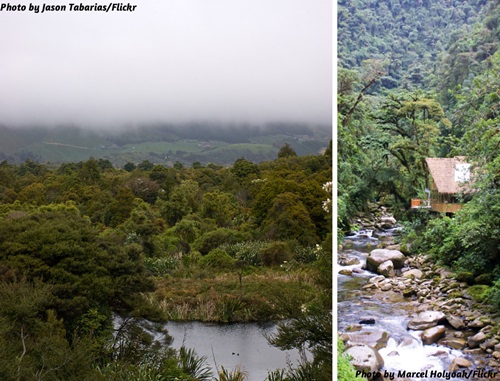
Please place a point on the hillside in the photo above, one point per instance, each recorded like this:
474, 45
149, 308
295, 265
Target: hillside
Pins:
161, 144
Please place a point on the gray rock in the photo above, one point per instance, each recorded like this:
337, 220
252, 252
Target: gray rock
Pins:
455, 322
387, 222
453, 342
475, 340
459, 362
349, 261
431, 335
379, 256
345, 272
386, 269
425, 320
374, 339
480, 322
365, 358
413, 273
376, 279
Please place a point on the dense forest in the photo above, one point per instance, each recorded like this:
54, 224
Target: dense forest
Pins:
391, 119
93, 259
420, 79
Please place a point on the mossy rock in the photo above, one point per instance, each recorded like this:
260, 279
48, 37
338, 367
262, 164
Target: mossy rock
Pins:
465, 276
478, 292
407, 292
485, 279
454, 294
405, 249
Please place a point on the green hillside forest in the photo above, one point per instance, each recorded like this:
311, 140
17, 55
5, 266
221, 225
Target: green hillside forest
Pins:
416, 80
84, 242
163, 143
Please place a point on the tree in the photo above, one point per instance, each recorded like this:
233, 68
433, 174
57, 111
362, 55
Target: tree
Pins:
59, 246
408, 128
220, 206
129, 167
288, 218
286, 151
33, 342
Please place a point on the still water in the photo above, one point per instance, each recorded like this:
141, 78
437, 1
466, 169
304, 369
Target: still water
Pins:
230, 345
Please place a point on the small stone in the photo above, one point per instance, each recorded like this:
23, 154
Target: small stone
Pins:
376, 279
368, 320
349, 261
345, 272
459, 362
386, 287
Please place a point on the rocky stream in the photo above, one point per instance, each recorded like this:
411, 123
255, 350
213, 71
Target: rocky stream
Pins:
403, 317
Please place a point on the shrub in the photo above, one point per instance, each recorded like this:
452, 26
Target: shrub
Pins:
217, 259
160, 266
275, 254
493, 295
216, 238
246, 251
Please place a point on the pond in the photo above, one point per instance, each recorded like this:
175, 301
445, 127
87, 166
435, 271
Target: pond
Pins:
230, 345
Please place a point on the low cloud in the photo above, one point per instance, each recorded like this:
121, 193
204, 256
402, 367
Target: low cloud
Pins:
178, 60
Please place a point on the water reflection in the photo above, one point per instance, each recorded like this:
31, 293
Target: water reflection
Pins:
230, 345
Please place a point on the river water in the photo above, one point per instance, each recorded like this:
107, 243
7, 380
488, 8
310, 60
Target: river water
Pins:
390, 311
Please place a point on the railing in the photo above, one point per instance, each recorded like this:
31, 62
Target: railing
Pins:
419, 203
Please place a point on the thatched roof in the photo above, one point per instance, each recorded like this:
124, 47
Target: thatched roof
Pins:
450, 175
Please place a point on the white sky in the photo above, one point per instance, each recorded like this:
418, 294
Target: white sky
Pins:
170, 60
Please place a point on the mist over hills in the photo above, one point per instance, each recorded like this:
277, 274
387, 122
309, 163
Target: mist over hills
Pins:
161, 143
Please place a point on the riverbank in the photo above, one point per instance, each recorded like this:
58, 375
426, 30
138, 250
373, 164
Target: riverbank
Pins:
264, 294
443, 313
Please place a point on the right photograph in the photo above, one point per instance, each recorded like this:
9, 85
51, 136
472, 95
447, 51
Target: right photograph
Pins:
418, 190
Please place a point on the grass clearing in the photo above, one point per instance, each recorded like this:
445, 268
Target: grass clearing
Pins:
269, 294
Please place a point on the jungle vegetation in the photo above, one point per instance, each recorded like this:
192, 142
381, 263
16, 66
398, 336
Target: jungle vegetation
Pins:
93, 258
421, 79
416, 80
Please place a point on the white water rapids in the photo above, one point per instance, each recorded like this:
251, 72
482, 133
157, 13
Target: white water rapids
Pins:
391, 312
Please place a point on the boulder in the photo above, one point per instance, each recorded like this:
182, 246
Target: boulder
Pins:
453, 342
475, 340
413, 273
379, 256
349, 261
431, 335
386, 269
387, 222
455, 322
374, 339
459, 362
365, 358
480, 322
425, 320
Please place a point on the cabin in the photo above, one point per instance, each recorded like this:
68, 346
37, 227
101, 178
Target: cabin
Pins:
448, 177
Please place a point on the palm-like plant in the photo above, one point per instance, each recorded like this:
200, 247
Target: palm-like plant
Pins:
194, 365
